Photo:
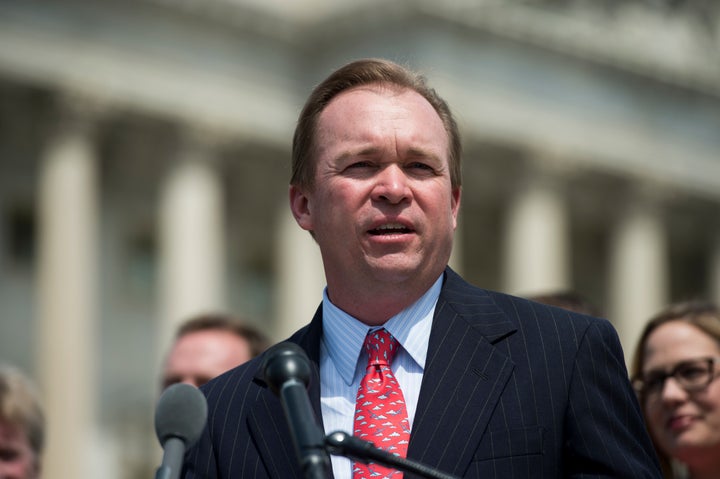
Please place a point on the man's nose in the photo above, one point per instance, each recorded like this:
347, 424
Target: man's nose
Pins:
391, 185
192, 381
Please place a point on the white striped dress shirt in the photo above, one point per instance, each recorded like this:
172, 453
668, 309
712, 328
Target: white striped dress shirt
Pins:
342, 365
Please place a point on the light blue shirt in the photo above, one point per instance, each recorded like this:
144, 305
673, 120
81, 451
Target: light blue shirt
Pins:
342, 366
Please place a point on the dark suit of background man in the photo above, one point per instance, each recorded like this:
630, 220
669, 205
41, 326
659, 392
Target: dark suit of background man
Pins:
495, 386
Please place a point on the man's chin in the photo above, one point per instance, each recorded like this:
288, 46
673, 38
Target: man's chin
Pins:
394, 269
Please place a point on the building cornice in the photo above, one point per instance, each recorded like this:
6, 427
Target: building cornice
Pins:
675, 49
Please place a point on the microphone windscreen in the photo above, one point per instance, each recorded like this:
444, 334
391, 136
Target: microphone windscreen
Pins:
284, 362
181, 412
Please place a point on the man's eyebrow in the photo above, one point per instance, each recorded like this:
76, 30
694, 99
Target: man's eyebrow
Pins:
366, 151
422, 153
372, 151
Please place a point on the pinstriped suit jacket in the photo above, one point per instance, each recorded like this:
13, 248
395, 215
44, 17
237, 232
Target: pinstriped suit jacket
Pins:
511, 389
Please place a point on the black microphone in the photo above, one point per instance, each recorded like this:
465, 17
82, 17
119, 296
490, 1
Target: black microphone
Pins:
180, 418
286, 369
343, 444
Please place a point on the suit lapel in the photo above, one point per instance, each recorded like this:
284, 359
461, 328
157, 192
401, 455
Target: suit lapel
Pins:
463, 379
272, 435
274, 444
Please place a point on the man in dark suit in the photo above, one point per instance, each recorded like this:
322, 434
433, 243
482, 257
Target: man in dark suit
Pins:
491, 385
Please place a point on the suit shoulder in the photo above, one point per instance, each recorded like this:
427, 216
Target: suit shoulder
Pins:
528, 310
233, 379
242, 379
522, 313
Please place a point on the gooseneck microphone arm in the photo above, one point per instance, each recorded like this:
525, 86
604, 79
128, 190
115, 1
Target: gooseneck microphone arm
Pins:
173, 449
343, 444
287, 371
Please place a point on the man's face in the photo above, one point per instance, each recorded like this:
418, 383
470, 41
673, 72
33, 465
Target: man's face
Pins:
17, 460
382, 209
200, 356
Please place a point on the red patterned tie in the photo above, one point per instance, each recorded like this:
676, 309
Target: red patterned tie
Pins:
380, 413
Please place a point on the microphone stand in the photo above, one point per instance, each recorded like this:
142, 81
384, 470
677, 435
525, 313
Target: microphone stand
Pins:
174, 447
306, 434
341, 443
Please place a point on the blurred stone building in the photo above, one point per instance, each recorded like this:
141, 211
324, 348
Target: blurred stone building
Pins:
144, 161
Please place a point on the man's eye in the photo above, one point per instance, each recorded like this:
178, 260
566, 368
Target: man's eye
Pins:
8, 455
420, 165
360, 164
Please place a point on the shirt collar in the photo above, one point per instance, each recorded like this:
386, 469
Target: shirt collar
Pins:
344, 335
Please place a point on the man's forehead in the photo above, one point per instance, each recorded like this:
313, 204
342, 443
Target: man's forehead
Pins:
380, 90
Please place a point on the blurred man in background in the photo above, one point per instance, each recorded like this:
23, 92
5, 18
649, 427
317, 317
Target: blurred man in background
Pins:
208, 345
22, 426
570, 300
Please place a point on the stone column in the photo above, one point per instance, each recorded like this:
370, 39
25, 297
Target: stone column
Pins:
192, 237
301, 277
638, 272
536, 247
67, 293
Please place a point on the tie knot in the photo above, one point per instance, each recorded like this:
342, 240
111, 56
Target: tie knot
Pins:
381, 347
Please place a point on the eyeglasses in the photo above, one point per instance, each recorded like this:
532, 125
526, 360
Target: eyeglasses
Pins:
692, 375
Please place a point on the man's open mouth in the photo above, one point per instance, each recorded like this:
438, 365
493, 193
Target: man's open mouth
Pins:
390, 229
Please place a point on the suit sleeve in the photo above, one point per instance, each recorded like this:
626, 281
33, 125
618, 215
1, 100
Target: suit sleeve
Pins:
605, 432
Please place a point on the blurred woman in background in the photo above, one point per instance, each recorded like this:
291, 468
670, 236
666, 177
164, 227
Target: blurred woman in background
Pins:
675, 373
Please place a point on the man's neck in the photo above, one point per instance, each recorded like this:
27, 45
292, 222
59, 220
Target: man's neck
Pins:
375, 305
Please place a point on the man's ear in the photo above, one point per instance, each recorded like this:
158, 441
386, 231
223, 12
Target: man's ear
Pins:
455, 204
300, 207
